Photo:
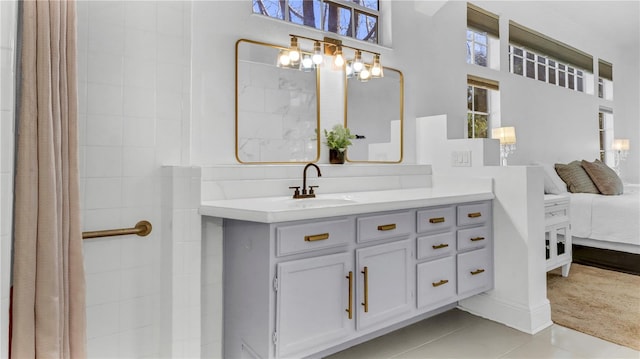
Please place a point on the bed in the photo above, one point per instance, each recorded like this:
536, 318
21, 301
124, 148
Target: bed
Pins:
607, 222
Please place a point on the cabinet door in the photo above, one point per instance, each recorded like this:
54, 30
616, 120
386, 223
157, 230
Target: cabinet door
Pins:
312, 300
384, 284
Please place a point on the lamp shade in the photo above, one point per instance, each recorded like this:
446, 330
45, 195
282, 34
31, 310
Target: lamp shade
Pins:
620, 144
506, 135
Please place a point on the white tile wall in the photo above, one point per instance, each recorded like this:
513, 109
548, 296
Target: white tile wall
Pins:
7, 70
133, 68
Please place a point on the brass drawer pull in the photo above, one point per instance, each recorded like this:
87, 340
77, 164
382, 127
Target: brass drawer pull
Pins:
477, 271
475, 239
437, 284
316, 237
350, 306
366, 289
439, 246
436, 220
474, 215
387, 227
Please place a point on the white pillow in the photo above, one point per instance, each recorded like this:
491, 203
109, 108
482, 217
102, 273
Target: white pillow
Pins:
553, 184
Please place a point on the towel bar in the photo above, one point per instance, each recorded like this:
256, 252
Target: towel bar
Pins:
142, 229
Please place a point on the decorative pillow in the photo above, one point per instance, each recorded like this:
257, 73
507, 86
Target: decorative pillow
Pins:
576, 178
604, 177
553, 184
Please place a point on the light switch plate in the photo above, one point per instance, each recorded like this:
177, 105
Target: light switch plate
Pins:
461, 158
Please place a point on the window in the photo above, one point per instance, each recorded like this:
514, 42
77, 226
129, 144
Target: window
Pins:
542, 68
605, 128
539, 57
482, 100
356, 18
482, 36
605, 80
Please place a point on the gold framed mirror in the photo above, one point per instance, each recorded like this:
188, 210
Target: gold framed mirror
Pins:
374, 112
277, 108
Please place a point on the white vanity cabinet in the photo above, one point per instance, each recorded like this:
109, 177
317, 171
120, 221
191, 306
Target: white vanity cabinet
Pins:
307, 288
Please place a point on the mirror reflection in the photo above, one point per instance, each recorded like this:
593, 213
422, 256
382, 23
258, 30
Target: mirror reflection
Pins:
374, 113
277, 108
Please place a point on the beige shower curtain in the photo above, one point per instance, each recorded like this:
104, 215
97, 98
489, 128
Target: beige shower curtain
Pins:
48, 304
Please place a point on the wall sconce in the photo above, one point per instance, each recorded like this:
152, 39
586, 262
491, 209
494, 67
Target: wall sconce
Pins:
295, 58
621, 150
507, 137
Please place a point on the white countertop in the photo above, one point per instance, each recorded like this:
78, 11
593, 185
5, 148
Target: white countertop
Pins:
282, 209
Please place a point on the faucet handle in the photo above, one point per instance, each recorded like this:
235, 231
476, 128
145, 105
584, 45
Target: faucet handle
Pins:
311, 189
296, 194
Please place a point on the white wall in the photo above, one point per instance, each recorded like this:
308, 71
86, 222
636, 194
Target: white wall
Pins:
8, 11
552, 124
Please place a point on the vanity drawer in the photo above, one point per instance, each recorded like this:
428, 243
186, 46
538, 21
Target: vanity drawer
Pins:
384, 226
436, 282
475, 272
474, 213
436, 219
475, 237
300, 238
436, 245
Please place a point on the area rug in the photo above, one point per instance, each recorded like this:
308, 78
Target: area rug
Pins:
598, 302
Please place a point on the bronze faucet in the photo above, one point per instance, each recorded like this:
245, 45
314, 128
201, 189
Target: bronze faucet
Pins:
305, 194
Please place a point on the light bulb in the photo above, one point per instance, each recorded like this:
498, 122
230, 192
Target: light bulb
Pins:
294, 51
338, 61
365, 74
357, 62
284, 59
307, 63
376, 68
317, 53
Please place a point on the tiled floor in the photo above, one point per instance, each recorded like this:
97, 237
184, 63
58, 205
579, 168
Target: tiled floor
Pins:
457, 334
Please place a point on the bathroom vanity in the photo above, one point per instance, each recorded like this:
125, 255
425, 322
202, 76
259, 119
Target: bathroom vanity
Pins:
306, 278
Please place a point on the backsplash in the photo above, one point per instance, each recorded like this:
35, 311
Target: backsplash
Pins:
244, 181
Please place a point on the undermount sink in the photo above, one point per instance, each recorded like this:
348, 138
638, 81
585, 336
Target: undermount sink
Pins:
318, 202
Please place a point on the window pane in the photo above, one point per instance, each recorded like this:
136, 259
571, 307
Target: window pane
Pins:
542, 73
561, 79
530, 56
469, 57
469, 125
269, 8
480, 99
469, 98
480, 126
366, 27
481, 38
580, 84
517, 51
517, 65
531, 69
369, 4
570, 81
552, 75
469, 34
552, 63
480, 54
338, 19
305, 12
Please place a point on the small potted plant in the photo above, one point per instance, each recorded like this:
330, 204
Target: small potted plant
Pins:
338, 139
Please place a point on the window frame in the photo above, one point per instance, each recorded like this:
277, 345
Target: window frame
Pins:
354, 9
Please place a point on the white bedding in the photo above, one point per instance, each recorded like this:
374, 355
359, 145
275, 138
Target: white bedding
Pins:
611, 219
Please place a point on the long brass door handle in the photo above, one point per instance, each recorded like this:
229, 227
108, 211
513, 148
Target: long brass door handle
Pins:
387, 227
350, 306
366, 289
437, 284
440, 246
316, 237
436, 220
477, 271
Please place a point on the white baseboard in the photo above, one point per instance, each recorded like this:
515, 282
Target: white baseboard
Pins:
530, 320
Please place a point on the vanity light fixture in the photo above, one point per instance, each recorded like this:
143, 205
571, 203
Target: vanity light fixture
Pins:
294, 57
507, 137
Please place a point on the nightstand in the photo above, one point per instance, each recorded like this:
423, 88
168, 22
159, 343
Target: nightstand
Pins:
557, 232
